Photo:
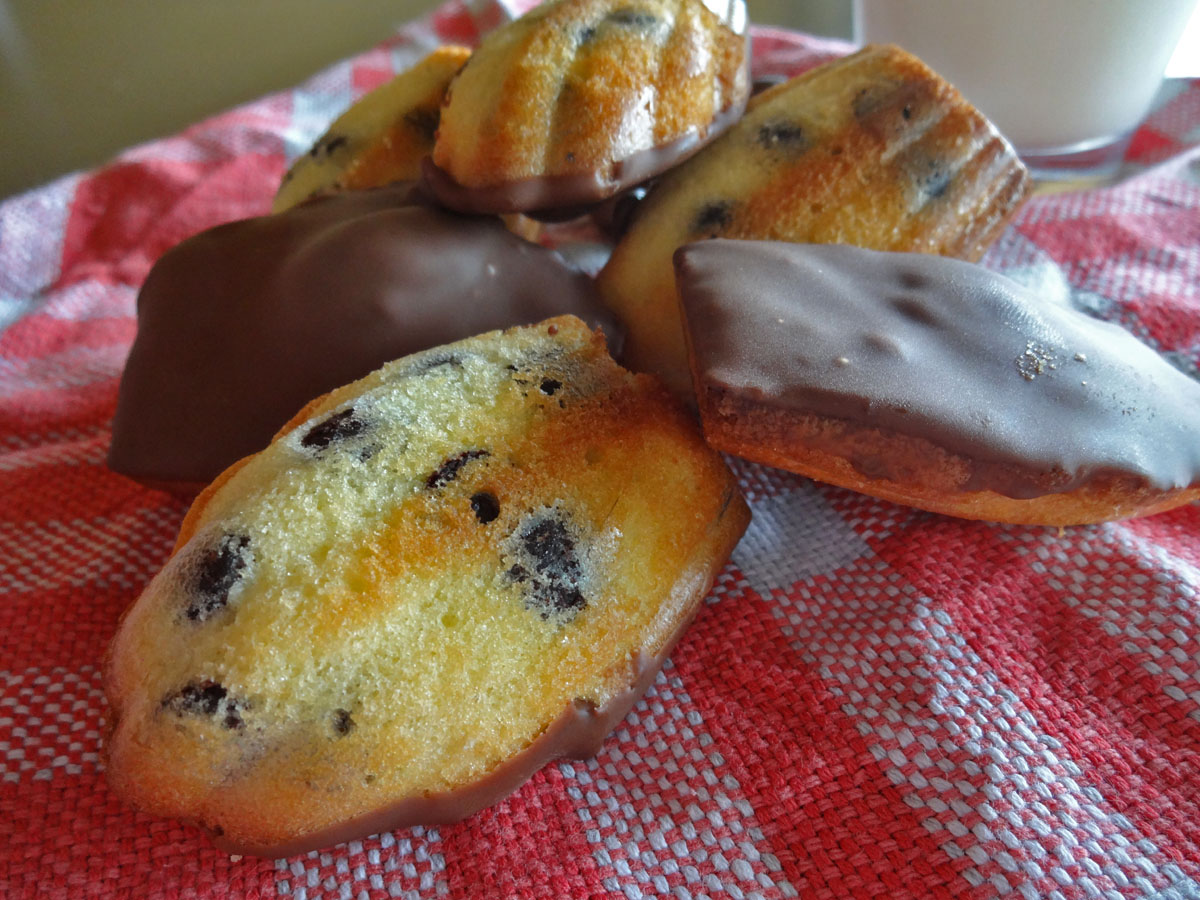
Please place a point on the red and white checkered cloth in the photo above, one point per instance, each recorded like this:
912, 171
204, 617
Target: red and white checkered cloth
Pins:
875, 701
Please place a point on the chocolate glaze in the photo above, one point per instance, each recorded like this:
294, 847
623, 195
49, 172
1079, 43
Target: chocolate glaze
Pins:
561, 197
243, 324
1040, 396
578, 733
614, 216
765, 82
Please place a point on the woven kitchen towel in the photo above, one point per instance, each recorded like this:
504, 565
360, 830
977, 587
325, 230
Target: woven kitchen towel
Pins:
874, 701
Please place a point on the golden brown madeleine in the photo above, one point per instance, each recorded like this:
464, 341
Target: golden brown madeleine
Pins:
932, 382
579, 99
874, 150
434, 580
381, 139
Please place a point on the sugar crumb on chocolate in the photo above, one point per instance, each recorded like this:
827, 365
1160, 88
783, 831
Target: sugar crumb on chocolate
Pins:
782, 134
1036, 360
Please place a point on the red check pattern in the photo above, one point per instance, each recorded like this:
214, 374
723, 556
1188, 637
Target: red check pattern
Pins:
874, 702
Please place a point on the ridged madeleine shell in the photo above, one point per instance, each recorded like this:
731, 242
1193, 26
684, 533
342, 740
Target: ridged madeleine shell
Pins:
874, 150
593, 94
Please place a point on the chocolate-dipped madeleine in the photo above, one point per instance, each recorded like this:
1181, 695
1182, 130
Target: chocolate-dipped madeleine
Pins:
932, 382
874, 150
432, 582
243, 324
578, 100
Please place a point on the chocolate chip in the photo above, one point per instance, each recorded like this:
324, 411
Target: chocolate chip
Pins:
339, 427
782, 135
551, 546
435, 361
933, 180
542, 369
615, 215
342, 723
634, 18
214, 575
886, 110
424, 122
203, 698
765, 83
449, 469
209, 699
548, 568
328, 145
485, 506
867, 101
713, 217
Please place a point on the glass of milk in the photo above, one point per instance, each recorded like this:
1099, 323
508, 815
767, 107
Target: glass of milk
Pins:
1066, 81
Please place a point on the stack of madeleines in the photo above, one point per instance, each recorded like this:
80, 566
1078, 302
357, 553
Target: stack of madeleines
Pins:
444, 535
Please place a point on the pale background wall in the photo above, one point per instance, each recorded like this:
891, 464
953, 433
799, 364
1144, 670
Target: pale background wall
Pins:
83, 79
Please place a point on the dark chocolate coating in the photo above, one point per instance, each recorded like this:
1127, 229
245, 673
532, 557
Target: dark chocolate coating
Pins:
578, 733
242, 325
562, 197
1042, 397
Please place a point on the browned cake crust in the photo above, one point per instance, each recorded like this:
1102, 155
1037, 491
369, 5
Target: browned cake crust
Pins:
579, 99
874, 150
919, 473
432, 582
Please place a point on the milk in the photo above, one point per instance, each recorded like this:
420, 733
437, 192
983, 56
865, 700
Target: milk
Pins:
1053, 75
